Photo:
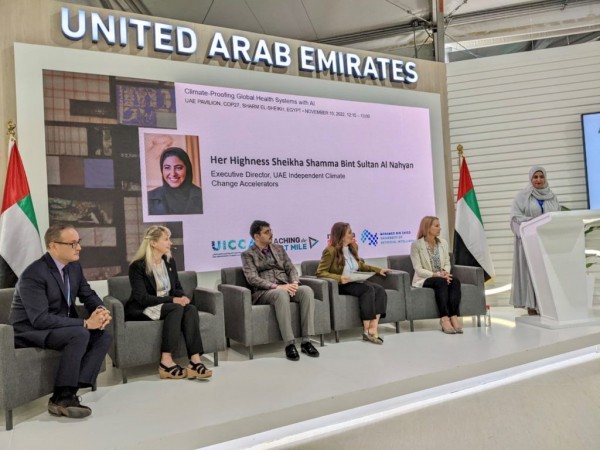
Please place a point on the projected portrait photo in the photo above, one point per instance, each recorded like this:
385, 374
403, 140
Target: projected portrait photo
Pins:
173, 181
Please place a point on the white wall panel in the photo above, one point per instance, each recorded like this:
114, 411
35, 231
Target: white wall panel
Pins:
512, 112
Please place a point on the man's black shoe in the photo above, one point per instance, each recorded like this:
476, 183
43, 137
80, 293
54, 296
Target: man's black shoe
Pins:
291, 353
69, 407
309, 349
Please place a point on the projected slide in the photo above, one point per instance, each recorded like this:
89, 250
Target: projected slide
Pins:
206, 161
298, 162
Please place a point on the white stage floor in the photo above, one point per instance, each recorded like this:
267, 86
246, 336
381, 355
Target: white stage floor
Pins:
247, 397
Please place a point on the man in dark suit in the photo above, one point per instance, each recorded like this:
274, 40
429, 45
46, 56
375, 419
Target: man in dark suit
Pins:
274, 280
43, 315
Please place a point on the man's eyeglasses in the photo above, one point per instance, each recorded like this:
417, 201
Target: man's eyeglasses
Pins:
72, 244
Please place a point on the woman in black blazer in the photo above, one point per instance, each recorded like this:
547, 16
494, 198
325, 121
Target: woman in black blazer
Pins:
156, 294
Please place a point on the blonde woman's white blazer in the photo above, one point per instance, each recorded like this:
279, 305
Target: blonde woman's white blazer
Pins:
421, 260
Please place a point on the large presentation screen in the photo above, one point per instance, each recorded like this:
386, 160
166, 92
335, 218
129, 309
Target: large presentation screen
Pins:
591, 144
300, 163
123, 153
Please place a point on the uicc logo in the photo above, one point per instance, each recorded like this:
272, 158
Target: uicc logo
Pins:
231, 244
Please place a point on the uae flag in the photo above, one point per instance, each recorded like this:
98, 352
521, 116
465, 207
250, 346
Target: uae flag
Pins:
470, 244
19, 236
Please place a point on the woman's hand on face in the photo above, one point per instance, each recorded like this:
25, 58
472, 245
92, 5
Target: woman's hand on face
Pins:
384, 271
344, 279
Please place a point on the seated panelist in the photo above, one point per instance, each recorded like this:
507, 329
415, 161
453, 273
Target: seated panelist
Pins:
43, 315
431, 261
156, 294
274, 280
340, 262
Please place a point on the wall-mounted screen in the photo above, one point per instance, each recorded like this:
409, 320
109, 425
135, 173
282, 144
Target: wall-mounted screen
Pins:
300, 153
591, 144
124, 152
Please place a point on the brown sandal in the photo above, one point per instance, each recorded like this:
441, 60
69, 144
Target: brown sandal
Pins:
198, 370
175, 372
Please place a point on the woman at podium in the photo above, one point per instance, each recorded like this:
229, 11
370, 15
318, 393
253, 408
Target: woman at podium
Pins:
536, 199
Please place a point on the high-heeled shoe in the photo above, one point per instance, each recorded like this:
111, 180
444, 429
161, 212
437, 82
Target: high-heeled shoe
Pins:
198, 370
456, 325
375, 339
447, 329
175, 372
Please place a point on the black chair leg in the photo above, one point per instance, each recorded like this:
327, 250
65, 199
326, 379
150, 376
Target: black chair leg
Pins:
228, 343
9, 421
94, 388
124, 374
250, 353
322, 340
397, 327
337, 336
478, 320
216, 358
412, 325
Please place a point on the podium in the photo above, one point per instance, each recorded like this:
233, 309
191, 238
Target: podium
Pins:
554, 245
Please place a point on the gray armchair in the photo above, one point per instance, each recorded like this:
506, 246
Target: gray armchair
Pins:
25, 373
136, 343
421, 301
256, 324
344, 308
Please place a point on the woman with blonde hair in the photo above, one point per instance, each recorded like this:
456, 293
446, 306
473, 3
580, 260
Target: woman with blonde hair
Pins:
156, 294
431, 261
339, 262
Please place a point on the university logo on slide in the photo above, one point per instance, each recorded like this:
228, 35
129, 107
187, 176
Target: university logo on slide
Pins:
369, 238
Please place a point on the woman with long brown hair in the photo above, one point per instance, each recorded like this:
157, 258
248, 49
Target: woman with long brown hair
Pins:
339, 262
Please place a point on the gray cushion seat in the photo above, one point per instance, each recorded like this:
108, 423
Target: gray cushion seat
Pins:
345, 309
252, 325
25, 373
137, 343
421, 301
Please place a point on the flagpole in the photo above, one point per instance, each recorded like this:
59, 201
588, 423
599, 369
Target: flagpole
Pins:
11, 129
459, 149
11, 132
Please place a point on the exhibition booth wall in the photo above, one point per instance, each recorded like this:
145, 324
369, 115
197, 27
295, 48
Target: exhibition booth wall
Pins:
508, 112
90, 114
515, 111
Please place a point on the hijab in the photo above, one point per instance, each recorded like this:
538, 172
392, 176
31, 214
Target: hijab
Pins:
531, 202
541, 194
177, 198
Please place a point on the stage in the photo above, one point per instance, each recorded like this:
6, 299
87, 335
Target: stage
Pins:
249, 397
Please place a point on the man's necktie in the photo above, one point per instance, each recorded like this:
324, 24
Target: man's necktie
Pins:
67, 286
